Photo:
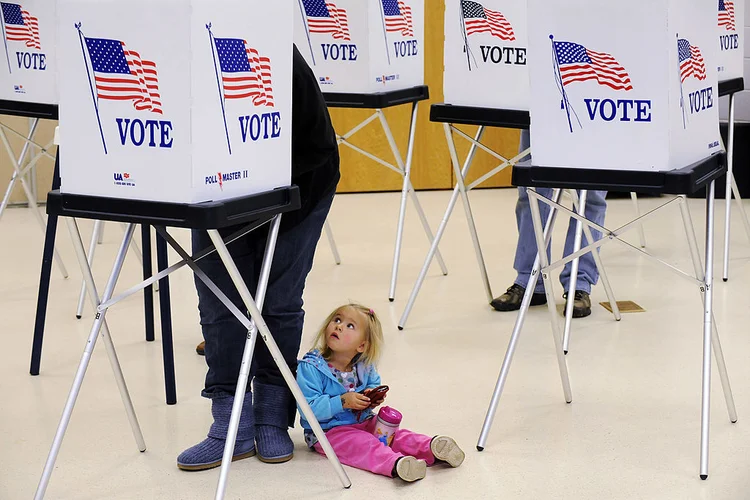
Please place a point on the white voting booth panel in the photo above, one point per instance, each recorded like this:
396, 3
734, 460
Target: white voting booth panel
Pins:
731, 21
605, 95
194, 109
485, 54
27, 72
361, 47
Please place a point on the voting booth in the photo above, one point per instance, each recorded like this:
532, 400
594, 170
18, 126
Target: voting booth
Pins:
192, 110
731, 34
644, 99
156, 118
28, 72
486, 83
28, 88
356, 46
485, 54
369, 55
631, 106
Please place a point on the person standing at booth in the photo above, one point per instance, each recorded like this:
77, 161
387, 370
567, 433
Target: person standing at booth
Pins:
526, 251
266, 417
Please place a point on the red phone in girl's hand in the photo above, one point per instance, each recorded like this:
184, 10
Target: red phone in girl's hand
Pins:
376, 395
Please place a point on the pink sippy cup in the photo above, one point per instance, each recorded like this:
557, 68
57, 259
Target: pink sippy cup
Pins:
387, 425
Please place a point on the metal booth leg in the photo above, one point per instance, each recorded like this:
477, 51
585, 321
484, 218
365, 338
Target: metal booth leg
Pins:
549, 290
92, 249
580, 204
407, 189
730, 178
505, 369
441, 229
260, 327
165, 310
148, 292
467, 210
99, 325
707, 333
637, 208
715, 341
332, 243
32, 200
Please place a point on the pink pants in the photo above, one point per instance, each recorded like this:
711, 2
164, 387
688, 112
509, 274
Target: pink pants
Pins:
355, 445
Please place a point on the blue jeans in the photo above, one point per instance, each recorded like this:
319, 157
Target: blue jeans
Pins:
282, 310
526, 249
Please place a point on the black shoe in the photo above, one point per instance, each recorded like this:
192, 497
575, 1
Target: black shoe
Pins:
511, 299
581, 304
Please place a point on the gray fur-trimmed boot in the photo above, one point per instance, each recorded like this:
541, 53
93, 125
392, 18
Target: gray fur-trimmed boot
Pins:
208, 453
272, 403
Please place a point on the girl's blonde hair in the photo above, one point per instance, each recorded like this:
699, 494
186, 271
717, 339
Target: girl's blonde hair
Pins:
373, 335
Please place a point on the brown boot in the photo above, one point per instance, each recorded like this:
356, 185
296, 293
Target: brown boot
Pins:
581, 304
511, 299
201, 349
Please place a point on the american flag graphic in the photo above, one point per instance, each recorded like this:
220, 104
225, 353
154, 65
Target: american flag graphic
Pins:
726, 15
691, 61
325, 17
398, 17
578, 64
121, 74
479, 19
244, 73
20, 26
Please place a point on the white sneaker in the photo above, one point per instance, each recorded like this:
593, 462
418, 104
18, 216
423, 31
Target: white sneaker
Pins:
446, 449
410, 469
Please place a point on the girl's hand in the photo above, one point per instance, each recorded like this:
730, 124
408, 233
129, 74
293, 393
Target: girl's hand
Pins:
355, 401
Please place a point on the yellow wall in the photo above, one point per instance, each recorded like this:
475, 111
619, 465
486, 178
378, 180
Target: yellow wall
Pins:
45, 131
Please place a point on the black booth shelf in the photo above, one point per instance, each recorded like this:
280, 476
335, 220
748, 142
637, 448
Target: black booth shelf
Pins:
29, 109
686, 180
377, 100
208, 215
741, 166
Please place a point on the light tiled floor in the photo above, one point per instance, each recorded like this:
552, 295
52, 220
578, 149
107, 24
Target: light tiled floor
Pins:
632, 431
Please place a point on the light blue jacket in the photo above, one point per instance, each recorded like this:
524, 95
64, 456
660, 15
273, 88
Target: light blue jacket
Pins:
323, 391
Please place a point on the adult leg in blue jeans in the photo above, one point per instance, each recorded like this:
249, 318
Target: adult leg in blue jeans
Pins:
271, 412
526, 251
267, 416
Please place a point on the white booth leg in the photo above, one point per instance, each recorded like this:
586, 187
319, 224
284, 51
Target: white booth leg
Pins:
99, 323
508, 359
637, 209
332, 243
467, 210
406, 190
716, 343
728, 194
570, 302
92, 249
707, 333
441, 229
549, 290
32, 200
275, 354
16, 173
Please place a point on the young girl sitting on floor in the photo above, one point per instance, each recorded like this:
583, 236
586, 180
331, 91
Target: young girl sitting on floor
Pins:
332, 377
